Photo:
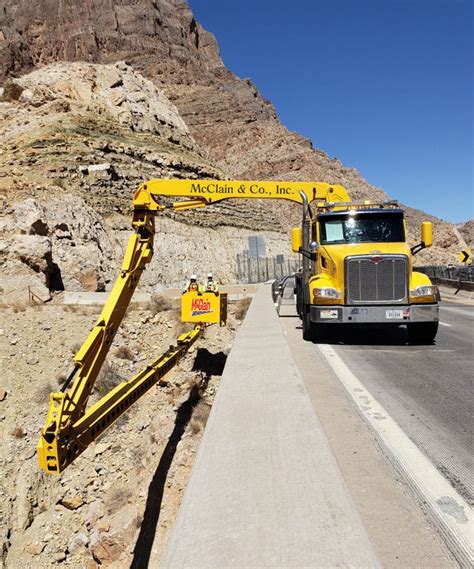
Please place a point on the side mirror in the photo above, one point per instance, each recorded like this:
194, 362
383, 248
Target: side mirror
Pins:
427, 233
296, 239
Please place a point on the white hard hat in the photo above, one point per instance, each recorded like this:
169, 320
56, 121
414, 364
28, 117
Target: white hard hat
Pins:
193, 277
209, 276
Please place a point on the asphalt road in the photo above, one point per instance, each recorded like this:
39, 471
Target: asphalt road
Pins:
426, 389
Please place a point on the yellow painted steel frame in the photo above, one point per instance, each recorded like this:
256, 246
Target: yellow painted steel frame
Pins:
57, 450
70, 428
206, 192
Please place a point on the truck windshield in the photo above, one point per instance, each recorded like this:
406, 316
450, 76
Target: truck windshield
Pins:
362, 228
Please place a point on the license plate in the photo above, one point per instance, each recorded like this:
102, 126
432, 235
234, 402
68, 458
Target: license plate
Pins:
394, 314
328, 313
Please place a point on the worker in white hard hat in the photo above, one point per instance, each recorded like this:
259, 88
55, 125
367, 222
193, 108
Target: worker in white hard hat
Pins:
193, 284
211, 285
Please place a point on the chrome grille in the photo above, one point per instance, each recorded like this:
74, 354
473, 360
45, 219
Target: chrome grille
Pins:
376, 279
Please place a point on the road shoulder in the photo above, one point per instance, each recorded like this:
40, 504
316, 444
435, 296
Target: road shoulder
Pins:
398, 528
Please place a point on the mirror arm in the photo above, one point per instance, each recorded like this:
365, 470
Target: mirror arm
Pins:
417, 248
308, 254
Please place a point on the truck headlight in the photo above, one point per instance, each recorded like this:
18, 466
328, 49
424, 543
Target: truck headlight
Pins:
326, 293
425, 290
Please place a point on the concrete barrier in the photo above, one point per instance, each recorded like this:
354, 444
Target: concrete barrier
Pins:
235, 292
265, 490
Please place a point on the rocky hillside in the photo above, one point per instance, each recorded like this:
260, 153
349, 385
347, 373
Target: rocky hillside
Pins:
467, 231
78, 140
227, 117
98, 512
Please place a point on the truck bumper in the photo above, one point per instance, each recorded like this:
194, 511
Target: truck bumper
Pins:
395, 314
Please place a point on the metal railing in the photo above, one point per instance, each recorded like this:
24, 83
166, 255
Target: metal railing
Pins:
261, 269
447, 272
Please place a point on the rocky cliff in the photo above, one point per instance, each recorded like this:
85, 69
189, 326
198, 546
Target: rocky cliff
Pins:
230, 122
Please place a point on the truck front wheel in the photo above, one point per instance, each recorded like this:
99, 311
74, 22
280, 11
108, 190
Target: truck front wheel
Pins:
313, 332
308, 326
422, 332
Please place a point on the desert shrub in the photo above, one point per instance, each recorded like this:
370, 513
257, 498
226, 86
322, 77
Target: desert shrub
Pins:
61, 378
124, 353
18, 433
158, 303
43, 391
107, 380
117, 497
174, 394
200, 416
76, 347
88, 280
241, 307
18, 306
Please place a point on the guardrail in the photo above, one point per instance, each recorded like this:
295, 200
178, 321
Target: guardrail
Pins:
450, 273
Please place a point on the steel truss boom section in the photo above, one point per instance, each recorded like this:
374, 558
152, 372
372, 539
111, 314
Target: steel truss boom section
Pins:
70, 426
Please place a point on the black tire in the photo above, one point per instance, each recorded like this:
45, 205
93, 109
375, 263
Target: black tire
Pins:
313, 332
422, 332
307, 325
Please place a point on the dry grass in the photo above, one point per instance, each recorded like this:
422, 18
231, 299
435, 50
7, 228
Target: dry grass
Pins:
43, 391
154, 437
88, 280
158, 303
18, 433
123, 419
195, 382
107, 380
241, 307
124, 353
137, 454
18, 306
61, 378
180, 327
117, 497
81, 309
174, 394
200, 416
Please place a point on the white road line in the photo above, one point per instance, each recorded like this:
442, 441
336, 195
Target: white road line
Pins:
451, 512
444, 324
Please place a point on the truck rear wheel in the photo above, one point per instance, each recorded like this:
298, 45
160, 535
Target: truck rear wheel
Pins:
422, 332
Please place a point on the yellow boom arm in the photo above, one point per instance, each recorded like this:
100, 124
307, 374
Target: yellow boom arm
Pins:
207, 192
70, 427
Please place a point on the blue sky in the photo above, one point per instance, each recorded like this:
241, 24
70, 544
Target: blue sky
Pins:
384, 85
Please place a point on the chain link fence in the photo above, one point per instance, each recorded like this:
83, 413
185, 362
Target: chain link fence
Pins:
261, 269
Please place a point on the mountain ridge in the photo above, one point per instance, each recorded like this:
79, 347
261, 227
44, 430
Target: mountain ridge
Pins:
230, 121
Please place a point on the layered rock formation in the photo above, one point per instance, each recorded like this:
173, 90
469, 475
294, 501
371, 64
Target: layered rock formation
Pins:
226, 115
99, 131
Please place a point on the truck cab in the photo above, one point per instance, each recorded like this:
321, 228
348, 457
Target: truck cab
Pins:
360, 271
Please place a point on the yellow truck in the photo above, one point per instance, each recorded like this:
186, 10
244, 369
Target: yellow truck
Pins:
358, 269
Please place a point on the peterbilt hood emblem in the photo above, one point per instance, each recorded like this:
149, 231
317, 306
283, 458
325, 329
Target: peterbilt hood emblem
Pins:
376, 259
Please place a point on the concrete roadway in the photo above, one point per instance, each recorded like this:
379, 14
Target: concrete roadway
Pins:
426, 389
